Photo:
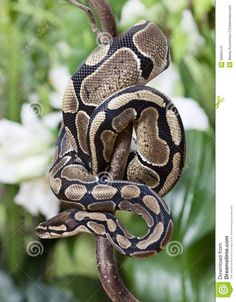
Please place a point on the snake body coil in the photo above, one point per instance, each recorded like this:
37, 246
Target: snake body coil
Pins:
103, 97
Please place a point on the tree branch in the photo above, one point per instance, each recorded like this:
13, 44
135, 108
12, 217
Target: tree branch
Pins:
109, 275
88, 12
105, 16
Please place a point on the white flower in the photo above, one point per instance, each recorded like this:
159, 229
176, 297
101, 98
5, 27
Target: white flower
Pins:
25, 155
59, 78
52, 120
25, 149
34, 98
36, 196
192, 114
132, 10
167, 82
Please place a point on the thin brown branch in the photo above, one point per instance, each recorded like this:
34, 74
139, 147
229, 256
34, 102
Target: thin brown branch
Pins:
109, 275
89, 13
105, 15
103, 12
120, 154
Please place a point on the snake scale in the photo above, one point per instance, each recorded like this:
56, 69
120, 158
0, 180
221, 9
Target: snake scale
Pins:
104, 96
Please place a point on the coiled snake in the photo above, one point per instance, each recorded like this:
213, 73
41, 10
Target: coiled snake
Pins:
103, 97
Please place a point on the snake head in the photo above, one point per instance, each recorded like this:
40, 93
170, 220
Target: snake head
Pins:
58, 226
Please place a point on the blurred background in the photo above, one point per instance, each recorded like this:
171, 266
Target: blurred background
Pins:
42, 43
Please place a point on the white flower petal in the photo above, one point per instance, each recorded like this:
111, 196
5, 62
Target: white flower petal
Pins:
14, 139
15, 171
52, 120
32, 122
132, 10
59, 77
55, 99
167, 81
25, 150
37, 197
27, 115
34, 98
193, 116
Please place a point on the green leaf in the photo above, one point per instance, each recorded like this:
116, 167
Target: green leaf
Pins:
179, 42
13, 231
201, 7
80, 261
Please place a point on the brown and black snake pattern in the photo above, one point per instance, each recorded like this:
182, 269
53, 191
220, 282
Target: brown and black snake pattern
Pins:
103, 97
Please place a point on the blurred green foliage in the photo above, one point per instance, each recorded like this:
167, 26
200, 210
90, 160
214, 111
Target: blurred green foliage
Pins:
34, 38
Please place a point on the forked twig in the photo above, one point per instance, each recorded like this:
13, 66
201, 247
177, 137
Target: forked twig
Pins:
89, 13
105, 15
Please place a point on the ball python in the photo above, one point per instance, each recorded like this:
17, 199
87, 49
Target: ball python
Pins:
105, 95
